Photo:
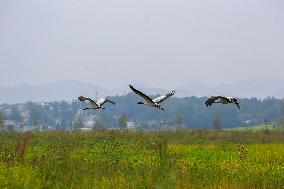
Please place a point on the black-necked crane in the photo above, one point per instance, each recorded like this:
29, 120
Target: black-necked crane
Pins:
222, 100
152, 102
95, 105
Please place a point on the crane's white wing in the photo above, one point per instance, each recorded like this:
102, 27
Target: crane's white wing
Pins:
163, 97
102, 101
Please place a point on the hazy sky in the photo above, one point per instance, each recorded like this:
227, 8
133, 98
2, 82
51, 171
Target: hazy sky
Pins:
158, 42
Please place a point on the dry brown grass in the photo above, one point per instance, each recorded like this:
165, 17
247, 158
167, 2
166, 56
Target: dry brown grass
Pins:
22, 145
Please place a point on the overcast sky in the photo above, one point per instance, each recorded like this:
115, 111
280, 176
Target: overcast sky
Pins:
163, 43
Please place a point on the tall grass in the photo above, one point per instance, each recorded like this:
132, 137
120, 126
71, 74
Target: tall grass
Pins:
198, 159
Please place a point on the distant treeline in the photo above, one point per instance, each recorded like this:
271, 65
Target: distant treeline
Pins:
190, 111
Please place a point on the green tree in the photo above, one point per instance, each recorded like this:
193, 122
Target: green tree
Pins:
216, 125
282, 108
99, 125
122, 122
179, 122
16, 115
36, 124
1, 120
281, 120
78, 123
11, 128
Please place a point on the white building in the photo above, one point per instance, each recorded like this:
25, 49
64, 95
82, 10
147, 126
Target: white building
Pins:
86, 129
130, 126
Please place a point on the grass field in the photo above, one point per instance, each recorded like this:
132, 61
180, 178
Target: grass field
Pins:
197, 159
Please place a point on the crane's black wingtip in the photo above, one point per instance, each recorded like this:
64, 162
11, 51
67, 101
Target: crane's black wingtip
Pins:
131, 87
238, 105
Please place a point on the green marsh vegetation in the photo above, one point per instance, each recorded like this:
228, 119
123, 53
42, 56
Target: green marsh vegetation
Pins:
182, 159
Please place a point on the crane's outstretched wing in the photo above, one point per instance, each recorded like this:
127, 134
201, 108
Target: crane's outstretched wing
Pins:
235, 101
238, 104
211, 100
102, 101
145, 97
163, 97
83, 98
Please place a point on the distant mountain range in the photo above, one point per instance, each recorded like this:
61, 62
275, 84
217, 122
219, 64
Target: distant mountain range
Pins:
258, 87
69, 90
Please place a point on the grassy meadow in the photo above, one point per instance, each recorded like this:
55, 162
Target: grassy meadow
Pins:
196, 159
